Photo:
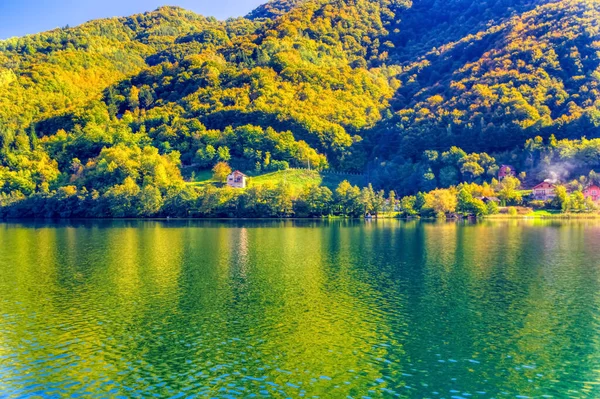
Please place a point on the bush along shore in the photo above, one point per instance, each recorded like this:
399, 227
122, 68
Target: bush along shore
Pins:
282, 200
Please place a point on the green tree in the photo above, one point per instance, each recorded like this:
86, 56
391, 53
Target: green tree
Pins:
465, 203
368, 199
348, 198
134, 98
492, 208
314, 201
221, 171
224, 154
577, 201
379, 202
409, 206
392, 202
561, 200
151, 201
281, 203
441, 201
122, 198
508, 192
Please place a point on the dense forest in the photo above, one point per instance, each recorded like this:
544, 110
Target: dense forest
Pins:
112, 118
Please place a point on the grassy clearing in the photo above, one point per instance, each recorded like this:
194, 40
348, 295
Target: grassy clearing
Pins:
297, 178
547, 214
300, 178
525, 193
202, 178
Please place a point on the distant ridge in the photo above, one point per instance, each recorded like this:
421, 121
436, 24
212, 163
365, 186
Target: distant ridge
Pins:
273, 9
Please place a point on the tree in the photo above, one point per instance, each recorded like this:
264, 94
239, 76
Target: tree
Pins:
134, 98
151, 201
441, 201
492, 208
590, 205
379, 202
478, 207
306, 84
146, 97
223, 154
368, 199
206, 155
448, 176
465, 203
408, 206
577, 201
221, 171
314, 201
122, 199
561, 200
281, 201
392, 202
348, 199
508, 190
471, 168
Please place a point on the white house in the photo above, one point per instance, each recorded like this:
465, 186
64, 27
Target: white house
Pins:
237, 180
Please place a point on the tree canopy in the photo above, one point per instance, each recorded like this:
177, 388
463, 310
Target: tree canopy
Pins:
417, 95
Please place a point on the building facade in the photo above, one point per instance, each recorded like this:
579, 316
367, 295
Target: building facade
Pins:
545, 191
237, 180
592, 192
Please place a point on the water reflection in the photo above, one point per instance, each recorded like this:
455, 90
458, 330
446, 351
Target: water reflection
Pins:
288, 309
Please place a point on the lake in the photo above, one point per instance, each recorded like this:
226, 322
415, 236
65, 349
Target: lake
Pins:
300, 309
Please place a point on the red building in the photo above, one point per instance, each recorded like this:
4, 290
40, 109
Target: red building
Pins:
592, 192
505, 171
544, 191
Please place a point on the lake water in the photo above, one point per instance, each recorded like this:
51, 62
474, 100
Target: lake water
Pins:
300, 309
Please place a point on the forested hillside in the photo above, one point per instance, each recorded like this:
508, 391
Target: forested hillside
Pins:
534, 74
416, 95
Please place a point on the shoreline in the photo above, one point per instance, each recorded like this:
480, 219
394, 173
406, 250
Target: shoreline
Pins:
549, 216
530, 216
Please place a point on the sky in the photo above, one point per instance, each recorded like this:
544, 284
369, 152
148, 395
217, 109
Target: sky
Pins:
21, 17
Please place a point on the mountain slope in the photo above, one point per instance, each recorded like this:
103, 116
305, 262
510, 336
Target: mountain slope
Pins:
352, 85
314, 82
273, 9
535, 74
46, 74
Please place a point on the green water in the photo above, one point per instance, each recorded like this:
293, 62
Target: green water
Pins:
300, 309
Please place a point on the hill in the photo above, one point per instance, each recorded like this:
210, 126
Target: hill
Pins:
420, 94
535, 73
297, 179
273, 9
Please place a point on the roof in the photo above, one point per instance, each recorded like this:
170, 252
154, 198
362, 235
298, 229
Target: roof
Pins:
237, 172
506, 170
544, 184
495, 199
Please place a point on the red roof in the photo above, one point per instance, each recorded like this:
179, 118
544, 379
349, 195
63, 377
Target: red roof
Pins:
506, 169
544, 184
